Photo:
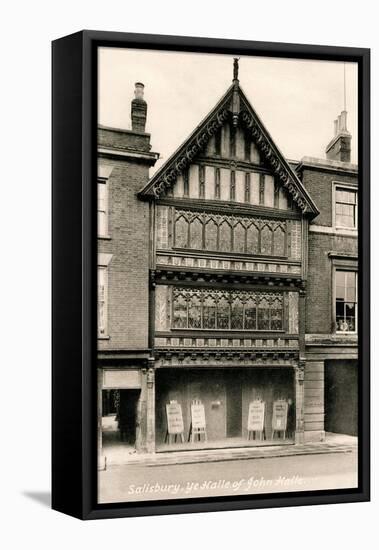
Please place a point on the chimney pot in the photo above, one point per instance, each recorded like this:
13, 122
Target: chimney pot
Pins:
343, 121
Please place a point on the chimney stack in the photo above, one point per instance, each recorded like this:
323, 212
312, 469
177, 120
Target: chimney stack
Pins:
138, 109
339, 148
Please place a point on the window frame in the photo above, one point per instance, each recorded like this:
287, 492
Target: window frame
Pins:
103, 176
103, 261
344, 264
344, 186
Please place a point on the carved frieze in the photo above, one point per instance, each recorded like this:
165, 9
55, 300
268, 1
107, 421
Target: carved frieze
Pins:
224, 358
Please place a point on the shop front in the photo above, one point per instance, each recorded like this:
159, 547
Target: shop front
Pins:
224, 407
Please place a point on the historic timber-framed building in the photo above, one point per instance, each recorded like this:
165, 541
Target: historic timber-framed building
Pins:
208, 285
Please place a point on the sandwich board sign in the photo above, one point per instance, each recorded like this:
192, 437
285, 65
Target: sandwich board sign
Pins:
198, 416
174, 413
256, 416
279, 415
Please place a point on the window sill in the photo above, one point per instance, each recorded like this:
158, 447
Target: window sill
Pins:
104, 237
348, 229
103, 337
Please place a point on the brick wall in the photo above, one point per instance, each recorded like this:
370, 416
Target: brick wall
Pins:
319, 306
319, 185
123, 139
319, 289
128, 269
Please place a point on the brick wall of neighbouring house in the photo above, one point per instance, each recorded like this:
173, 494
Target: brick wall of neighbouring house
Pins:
128, 289
319, 306
319, 287
319, 185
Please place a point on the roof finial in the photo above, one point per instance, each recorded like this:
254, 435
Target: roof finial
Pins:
235, 68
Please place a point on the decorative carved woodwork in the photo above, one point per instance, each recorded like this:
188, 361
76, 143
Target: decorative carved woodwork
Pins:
227, 233
176, 274
224, 358
236, 108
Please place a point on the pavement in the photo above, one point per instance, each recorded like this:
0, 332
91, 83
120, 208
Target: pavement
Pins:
118, 453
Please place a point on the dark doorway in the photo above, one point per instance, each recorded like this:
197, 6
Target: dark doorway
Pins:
127, 415
110, 399
233, 408
341, 397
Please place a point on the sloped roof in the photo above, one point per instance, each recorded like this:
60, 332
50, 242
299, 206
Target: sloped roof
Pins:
234, 104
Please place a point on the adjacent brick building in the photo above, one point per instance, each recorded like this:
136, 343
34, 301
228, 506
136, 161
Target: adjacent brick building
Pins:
331, 388
225, 285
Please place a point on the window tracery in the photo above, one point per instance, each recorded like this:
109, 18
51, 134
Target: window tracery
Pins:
224, 233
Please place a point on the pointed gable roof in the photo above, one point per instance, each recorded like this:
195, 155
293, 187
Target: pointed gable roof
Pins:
233, 105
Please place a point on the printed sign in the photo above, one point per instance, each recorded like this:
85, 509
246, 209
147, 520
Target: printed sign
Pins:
175, 423
256, 418
279, 415
198, 416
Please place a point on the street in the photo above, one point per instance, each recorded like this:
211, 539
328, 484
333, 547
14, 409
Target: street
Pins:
252, 476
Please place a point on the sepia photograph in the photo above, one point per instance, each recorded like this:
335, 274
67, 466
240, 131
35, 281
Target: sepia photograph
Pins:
227, 275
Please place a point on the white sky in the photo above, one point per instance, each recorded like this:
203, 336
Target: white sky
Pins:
297, 100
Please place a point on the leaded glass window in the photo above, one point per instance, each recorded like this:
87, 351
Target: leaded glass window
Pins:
264, 315
194, 312
223, 313
237, 310
276, 315
237, 314
250, 315
209, 313
180, 319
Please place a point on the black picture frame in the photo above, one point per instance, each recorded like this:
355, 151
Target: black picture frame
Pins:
74, 91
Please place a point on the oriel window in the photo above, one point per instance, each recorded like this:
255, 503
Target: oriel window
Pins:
227, 310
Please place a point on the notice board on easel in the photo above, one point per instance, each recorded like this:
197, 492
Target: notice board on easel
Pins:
280, 415
174, 414
256, 416
198, 416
